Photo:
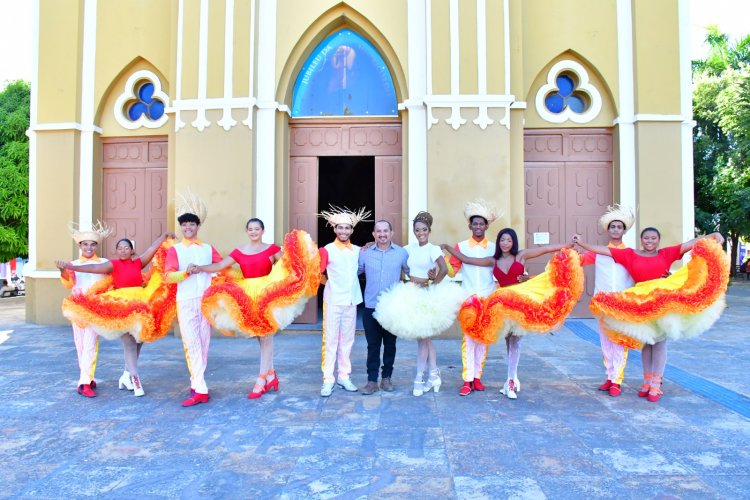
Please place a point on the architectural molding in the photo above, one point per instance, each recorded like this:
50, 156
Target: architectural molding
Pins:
506, 43
88, 80
178, 123
480, 102
686, 132
43, 127
227, 121
251, 69
200, 121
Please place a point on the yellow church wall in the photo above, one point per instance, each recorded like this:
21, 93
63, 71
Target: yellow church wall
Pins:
495, 48
215, 55
441, 47
217, 166
588, 27
125, 32
659, 186
467, 44
656, 53
59, 65
190, 50
479, 168
241, 50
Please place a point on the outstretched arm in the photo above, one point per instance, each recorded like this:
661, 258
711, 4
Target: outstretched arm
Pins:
600, 249
103, 268
215, 267
475, 261
688, 245
151, 251
530, 253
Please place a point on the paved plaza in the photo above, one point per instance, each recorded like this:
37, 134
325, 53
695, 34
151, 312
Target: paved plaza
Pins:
560, 439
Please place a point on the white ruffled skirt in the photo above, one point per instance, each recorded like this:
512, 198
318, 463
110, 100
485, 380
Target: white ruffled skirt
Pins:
412, 312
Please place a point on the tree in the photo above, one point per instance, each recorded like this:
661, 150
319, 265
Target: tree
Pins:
15, 101
721, 138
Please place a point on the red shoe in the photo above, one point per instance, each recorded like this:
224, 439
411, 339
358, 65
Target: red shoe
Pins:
606, 385
614, 390
192, 393
93, 384
273, 384
654, 394
478, 385
259, 388
647, 377
195, 399
85, 390
465, 389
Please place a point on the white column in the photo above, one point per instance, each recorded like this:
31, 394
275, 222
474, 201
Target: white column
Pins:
88, 78
265, 131
626, 105
178, 123
251, 70
227, 121
686, 131
200, 121
32, 137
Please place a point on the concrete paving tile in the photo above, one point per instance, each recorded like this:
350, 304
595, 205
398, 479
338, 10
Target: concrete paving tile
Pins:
416, 487
413, 462
326, 484
639, 460
584, 486
667, 486
388, 436
508, 486
729, 486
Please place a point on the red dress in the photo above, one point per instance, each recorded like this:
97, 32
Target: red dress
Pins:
511, 277
127, 273
643, 268
255, 265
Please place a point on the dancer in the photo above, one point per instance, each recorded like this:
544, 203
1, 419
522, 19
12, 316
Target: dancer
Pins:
507, 266
476, 280
383, 264
422, 308
652, 311
341, 295
182, 264
271, 292
126, 274
85, 338
612, 277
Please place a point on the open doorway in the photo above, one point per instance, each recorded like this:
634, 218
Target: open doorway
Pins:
346, 181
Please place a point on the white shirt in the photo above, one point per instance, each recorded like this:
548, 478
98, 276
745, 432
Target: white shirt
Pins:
85, 280
194, 285
477, 279
422, 258
342, 287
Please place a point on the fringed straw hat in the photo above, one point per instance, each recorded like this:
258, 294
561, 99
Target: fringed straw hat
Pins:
95, 232
482, 208
189, 203
626, 215
338, 215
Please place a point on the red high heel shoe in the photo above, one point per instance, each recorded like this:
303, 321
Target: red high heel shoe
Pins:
258, 389
273, 384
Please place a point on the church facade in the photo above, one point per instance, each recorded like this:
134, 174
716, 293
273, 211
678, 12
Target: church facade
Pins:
277, 108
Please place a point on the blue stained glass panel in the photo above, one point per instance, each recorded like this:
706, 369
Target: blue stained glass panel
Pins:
565, 84
555, 103
156, 110
576, 103
344, 76
146, 92
136, 110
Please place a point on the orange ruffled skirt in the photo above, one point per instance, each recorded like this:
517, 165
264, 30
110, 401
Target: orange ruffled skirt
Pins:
539, 305
256, 307
147, 313
683, 305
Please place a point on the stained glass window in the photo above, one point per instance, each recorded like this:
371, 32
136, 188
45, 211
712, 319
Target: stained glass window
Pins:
566, 95
344, 76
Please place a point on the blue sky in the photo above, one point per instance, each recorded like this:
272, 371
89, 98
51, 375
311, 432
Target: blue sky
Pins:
732, 16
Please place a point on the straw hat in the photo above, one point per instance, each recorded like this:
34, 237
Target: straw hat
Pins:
338, 215
189, 203
626, 215
93, 232
482, 208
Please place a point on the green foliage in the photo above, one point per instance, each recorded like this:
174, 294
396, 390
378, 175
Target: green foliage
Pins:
14, 170
721, 138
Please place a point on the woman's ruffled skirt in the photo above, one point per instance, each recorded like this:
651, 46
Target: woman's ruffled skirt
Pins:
412, 312
539, 305
147, 313
683, 305
256, 307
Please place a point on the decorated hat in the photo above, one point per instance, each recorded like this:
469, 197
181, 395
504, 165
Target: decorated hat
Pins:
92, 232
189, 203
626, 215
482, 208
337, 215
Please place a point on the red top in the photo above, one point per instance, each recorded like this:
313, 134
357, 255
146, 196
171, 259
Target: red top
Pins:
511, 277
127, 273
255, 265
646, 268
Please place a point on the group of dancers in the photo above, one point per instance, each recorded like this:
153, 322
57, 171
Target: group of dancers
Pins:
638, 302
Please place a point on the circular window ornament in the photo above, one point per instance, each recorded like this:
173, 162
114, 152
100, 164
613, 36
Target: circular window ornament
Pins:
143, 103
568, 95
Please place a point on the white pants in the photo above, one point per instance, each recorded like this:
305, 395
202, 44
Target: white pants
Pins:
339, 324
87, 347
473, 356
196, 336
615, 358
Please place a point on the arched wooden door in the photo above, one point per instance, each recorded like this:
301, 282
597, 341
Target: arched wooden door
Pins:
312, 139
568, 178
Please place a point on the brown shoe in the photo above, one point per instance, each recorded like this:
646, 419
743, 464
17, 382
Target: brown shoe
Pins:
370, 388
386, 384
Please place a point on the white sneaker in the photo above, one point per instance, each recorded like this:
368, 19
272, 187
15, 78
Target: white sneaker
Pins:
327, 389
124, 382
509, 389
346, 384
